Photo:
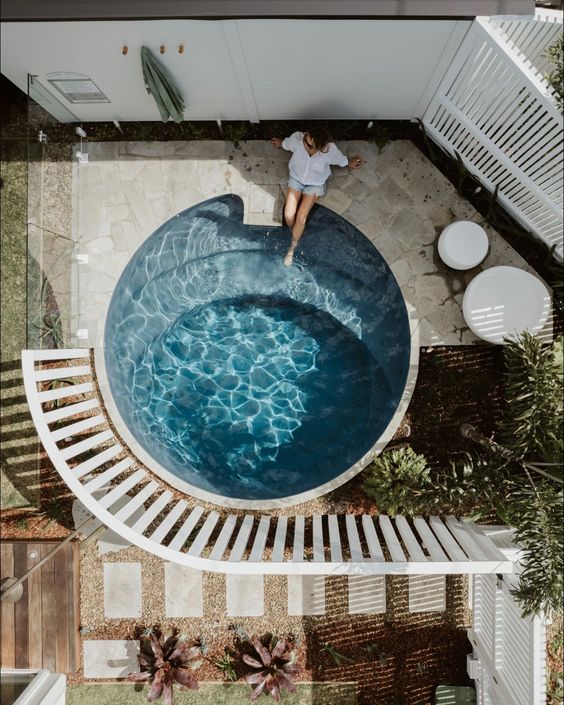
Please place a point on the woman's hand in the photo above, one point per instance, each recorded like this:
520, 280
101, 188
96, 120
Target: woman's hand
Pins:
277, 142
355, 162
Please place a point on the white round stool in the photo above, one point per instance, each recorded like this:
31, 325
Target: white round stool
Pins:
502, 302
463, 245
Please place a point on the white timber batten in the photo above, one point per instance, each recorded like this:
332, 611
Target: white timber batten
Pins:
495, 111
112, 485
509, 650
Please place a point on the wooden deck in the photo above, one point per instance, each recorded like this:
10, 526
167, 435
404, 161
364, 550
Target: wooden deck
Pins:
41, 629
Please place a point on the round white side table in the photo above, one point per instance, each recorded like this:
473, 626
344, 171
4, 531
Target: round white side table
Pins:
463, 245
503, 302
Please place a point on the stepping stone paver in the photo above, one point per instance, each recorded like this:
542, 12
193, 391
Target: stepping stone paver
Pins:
122, 590
183, 591
110, 658
245, 595
427, 593
367, 594
306, 595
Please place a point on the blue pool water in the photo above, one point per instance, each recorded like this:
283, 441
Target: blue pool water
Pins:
248, 379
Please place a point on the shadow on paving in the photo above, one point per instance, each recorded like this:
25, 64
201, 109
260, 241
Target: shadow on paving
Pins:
19, 448
212, 694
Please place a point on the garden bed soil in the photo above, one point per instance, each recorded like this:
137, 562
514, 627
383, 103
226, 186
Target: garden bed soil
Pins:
455, 385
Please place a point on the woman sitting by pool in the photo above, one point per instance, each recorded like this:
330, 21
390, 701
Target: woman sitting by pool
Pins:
310, 167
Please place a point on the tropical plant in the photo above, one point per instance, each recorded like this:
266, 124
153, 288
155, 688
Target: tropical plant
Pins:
538, 517
398, 481
429, 143
555, 693
337, 656
239, 632
202, 642
234, 133
375, 651
52, 327
526, 472
48, 325
272, 673
165, 661
532, 422
378, 134
555, 56
225, 664
58, 384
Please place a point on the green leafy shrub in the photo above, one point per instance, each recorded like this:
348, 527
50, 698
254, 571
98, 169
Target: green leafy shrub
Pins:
462, 487
555, 55
532, 422
337, 656
398, 481
526, 471
226, 664
538, 517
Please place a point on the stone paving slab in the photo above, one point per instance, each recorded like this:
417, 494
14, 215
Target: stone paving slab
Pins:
183, 591
398, 199
367, 594
122, 590
306, 595
427, 593
110, 658
244, 595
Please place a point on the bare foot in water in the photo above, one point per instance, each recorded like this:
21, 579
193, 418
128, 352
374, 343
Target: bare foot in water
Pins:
288, 259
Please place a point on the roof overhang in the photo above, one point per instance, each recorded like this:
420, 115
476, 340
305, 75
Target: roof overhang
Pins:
37, 10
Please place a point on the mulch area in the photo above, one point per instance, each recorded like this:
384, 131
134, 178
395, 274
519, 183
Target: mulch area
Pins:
455, 385
393, 663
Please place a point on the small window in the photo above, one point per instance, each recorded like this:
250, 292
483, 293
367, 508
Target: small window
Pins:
77, 88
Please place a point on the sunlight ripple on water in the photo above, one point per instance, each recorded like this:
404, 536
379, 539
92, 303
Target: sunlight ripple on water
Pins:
246, 378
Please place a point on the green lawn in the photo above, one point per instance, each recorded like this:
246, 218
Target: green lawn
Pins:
19, 464
212, 694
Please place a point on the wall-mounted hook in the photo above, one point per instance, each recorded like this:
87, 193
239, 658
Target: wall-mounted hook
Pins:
124, 50
162, 49
181, 49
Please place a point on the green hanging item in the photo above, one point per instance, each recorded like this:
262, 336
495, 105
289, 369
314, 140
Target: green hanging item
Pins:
160, 84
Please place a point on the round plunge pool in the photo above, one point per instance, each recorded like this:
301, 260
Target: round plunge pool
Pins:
246, 381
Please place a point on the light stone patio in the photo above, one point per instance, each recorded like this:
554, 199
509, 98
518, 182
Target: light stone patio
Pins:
398, 199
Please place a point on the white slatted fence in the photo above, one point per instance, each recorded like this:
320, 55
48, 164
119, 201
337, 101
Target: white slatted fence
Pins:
123, 495
493, 110
509, 664
531, 36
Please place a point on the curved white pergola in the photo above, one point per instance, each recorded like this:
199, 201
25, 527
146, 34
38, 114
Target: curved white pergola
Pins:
122, 494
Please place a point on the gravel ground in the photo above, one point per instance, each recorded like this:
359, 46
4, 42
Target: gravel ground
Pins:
415, 645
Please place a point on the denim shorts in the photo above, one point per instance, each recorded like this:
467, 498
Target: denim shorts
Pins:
306, 189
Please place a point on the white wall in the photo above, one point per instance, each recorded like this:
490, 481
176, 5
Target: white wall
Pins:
243, 69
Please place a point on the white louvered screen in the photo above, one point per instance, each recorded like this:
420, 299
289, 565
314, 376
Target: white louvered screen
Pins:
492, 109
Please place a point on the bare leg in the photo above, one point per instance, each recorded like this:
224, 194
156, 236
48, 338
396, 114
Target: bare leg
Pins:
299, 225
291, 206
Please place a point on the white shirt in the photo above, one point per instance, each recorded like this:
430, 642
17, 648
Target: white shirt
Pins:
314, 170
